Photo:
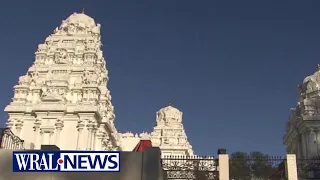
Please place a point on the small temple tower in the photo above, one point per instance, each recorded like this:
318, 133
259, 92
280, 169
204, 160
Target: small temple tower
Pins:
63, 98
302, 136
169, 133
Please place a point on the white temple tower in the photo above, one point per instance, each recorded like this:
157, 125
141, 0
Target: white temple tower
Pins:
302, 136
169, 134
63, 99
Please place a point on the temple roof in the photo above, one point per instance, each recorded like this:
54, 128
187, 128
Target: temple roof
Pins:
80, 18
169, 110
143, 143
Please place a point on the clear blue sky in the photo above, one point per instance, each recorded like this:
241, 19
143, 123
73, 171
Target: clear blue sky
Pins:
232, 67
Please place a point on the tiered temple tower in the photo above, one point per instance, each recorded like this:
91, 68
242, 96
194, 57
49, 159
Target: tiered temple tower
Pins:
169, 133
63, 99
302, 135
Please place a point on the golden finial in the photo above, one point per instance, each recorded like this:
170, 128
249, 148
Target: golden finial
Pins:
169, 103
82, 11
318, 67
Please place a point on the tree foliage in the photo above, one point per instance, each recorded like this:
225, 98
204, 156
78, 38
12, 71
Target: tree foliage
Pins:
255, 165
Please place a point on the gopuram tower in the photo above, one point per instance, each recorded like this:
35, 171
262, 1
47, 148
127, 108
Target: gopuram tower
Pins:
302, 135
169, 134
63, 99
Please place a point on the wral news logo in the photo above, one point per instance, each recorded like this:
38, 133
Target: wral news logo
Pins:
65, 161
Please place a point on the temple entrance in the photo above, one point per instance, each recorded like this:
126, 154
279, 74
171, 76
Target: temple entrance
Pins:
190, 168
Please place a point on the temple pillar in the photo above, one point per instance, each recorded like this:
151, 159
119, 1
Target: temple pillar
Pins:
312, 142
18, 129
90, 132
79, 138
51, 133
317, 140
307, 136
304, 144
37, 134
94, 136
59, 126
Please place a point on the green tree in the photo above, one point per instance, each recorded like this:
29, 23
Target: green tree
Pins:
261, 166
255, 165
239, 166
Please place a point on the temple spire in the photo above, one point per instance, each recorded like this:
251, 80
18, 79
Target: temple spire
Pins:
169, 133
82, 11
318, 68
47, 99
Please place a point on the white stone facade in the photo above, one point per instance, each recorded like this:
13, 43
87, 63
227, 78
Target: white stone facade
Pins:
63, 99
302, 136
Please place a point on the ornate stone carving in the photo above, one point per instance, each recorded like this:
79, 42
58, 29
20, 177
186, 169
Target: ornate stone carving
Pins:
59, 124
89, 78
107, 144
102, 77
37, 124
78, 24
67, 76
61, 57
169, 133
169, 115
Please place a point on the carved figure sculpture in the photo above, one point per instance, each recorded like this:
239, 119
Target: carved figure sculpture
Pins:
34, 78
61, 57
44, 91
86, 77
102, 78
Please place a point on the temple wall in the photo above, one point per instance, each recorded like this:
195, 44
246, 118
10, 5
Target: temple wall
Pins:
68, 137
134, 166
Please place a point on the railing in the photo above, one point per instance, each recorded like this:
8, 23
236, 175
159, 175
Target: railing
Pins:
9, 141
256, 166
309, 168
190, 167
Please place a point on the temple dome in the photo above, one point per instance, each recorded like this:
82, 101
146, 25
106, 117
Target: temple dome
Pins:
81, 19
169, 112
314, 77
307, 79
311, 83
78, 23
169, 109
